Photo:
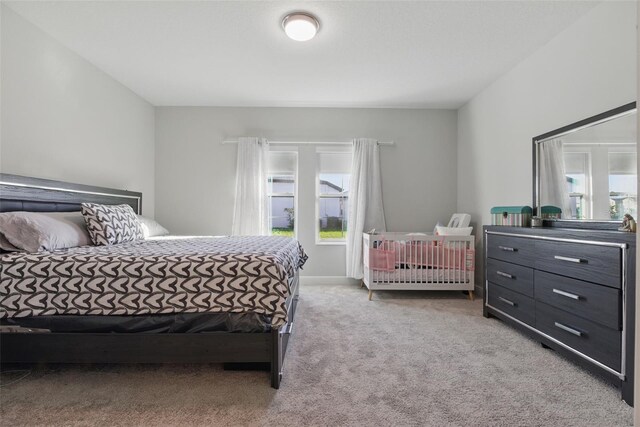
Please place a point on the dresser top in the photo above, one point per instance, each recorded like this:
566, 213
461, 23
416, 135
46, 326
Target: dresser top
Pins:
568, 233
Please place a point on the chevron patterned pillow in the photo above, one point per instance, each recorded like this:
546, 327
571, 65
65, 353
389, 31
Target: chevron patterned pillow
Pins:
109, 225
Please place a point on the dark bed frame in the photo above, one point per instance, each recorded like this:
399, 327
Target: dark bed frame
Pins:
236, 350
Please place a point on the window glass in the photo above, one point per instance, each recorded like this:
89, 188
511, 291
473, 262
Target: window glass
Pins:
333, 206
333, 196
281, 192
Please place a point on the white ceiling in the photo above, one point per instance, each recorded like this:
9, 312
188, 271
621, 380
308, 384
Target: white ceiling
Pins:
367, 54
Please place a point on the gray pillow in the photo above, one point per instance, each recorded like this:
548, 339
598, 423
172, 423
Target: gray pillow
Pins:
6, 246
111, 224
38, 231
151, 228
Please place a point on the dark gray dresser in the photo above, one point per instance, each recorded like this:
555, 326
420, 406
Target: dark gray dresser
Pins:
572, 290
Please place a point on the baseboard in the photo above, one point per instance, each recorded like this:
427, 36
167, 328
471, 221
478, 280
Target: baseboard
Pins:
328, 280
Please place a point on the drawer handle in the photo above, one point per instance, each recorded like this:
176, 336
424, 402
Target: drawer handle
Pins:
566, 294
507, 248
568, 329
511, 303
568, 259
503, 274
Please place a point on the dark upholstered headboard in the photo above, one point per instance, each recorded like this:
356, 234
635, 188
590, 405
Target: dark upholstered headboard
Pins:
21, 193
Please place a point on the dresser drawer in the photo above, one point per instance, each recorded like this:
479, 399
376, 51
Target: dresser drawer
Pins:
514, 304
596, 341
597, 303
517, 250
512, 276
598, 264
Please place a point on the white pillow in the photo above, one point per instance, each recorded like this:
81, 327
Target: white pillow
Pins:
453, 231
151, 228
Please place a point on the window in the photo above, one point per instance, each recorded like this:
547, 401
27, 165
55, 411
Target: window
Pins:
623, 192
333, 196
281, 192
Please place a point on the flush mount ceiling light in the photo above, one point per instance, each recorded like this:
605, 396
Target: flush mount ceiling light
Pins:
300, 26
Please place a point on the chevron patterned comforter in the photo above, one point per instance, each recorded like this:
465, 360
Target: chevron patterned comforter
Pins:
156, 276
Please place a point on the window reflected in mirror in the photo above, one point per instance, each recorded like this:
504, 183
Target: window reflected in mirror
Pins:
623, 185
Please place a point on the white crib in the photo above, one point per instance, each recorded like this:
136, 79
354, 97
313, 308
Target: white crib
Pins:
416, 261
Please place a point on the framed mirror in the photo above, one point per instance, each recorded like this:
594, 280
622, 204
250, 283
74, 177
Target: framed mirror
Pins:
585, 174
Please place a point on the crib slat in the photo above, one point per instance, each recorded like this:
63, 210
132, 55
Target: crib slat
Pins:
460, 251
448, 248
406, 273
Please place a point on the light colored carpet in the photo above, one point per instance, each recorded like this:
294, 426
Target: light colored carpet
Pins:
421, 358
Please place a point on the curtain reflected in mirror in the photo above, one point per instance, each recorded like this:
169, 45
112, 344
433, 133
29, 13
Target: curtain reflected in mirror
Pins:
590, 173
553, 176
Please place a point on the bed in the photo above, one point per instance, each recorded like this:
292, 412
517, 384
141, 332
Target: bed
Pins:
160, 300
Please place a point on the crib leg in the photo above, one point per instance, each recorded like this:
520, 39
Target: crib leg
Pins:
362, 284
471, 296
370, 294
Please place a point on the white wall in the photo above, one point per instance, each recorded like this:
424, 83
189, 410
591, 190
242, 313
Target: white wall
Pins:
195, 173
587, 69
62, 118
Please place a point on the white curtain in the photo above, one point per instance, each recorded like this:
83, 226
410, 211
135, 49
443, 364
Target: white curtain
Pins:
553, 180
365, 201
251, 209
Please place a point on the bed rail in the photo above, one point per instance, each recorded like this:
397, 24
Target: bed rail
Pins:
418, 261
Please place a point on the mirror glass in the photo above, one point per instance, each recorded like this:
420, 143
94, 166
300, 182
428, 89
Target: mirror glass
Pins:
590, 173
